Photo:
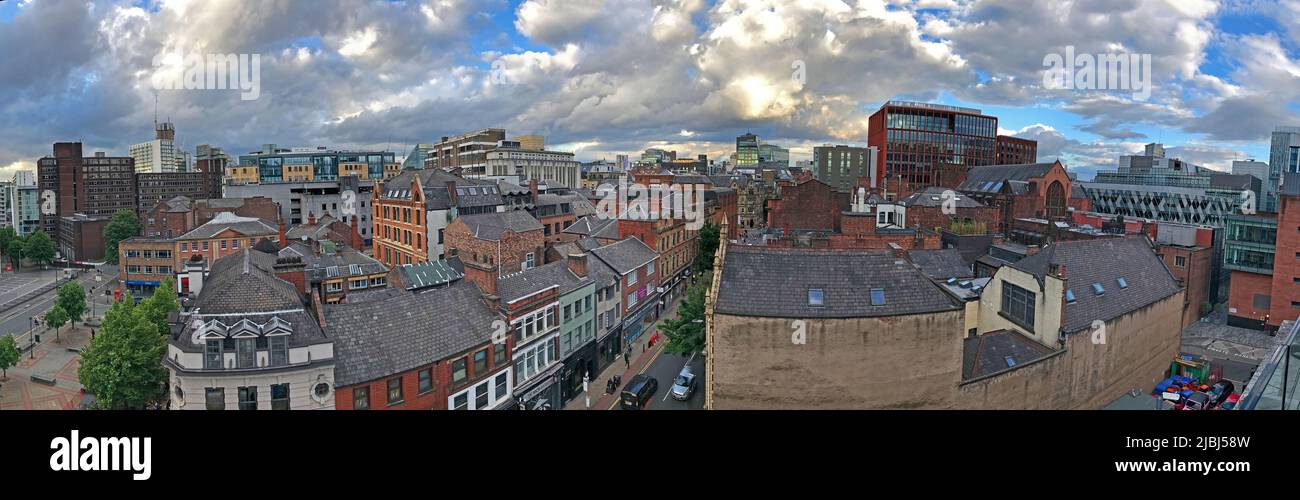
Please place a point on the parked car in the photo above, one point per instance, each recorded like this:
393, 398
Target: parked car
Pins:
638, 392
684, 386
1197, 401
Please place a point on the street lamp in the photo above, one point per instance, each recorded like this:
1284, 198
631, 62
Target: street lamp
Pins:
31, 334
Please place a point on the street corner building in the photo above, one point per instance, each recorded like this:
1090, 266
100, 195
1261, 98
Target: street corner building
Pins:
1071, 327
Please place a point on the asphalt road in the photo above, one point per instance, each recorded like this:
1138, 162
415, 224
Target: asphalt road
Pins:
665, 369
16, 320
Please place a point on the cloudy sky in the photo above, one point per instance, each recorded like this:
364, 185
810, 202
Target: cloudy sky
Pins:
602, 77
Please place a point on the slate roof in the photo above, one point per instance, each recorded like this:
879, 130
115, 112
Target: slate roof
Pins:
694, 179
245, 282
376, 339
314, 232
626, 255
179, 204
941, 264
247, 226
525, 283
990, 179
339, 264
775, 282
933, 197
1104, 261
987, 354
588, 226
428, 274
491, 226
436, 197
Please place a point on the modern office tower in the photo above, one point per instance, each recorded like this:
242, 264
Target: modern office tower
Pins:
467, 151
277, 165
911, 138
746, 150
415, 160
771, 153
1284, 157
161, 154
1016, 151
1258, 170
841, 166
26, 212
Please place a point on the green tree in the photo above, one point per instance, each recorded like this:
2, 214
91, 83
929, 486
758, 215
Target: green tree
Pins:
7, 237
39, 248
122, 366
686, 332
72, 298
8, 354
12, 248
158, 306
125, 224
57, 317
709, 237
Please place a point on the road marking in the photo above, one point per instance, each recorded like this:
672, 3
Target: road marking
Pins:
643, 369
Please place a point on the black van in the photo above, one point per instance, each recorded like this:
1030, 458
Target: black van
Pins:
639, 391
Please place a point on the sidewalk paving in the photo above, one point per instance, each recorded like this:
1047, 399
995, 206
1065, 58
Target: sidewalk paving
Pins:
51, 359
642, 359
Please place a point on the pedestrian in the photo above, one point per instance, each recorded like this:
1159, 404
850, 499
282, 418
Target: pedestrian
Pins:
92, 333
627, 357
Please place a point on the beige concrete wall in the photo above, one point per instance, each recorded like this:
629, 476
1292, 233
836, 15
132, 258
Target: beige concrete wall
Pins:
893, 362
1047, 308
1137, 350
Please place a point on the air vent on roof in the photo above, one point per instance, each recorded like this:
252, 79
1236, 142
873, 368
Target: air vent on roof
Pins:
1123, 283
1098, 289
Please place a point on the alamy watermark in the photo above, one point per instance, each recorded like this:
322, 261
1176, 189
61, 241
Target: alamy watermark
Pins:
635, 201
1113, 71
195, 71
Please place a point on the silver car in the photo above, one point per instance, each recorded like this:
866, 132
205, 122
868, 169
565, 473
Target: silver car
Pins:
684, 385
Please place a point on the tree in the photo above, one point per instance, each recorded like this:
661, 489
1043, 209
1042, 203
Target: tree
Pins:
12, 248
72, 298
57, 317
7, 237
122, 366
158, 306
709, 237
125, 224
686, 332
39, 248
8, 354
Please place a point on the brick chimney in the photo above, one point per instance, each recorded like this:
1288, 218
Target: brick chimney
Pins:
532, 189
451, 192
292, 269
311, 218
357, 242
284, 240
578, 264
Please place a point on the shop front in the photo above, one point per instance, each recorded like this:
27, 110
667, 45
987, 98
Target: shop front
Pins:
641, 320
581, 363
542, 392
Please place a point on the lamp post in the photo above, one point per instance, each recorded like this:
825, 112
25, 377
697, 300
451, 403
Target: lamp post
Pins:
31, 335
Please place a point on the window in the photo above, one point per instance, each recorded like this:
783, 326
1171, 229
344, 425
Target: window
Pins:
426, 380
1123, 283
568, 312
877, 296
502, 386
481, 396
631, 278
458, 370
1069, 296
1018, 305
499, 354
816, 297
215, 397
650, 268
212, 355
461, 402
1098, 289
480, 362
395, 390
529, 261
280, 396
361, 398
279, 350
246, 353
248, 398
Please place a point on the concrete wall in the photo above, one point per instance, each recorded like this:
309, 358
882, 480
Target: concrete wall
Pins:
1047, 306
892, 362
1086, 376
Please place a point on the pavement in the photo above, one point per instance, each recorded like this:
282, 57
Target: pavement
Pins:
650, 360
1239, 351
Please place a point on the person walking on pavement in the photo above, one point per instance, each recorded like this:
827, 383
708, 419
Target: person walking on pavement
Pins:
627, 356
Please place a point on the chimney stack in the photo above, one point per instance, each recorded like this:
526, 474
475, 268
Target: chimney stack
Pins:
451, 192
357, 242
532, 188
292, 269
311, 218
578, 264
284, 240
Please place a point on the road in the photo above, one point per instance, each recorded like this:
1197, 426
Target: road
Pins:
665, 369
16, 320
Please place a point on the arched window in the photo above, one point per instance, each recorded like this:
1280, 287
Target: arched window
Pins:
1055, 200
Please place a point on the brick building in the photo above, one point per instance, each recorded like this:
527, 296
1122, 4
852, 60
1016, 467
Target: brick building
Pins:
225, 234
495, 244
81, 237
153, 188
808, 205
636, 266
925, 208
145, 263
1040, 190
466, 152
93, 186
180, 215
1015, 151
412, 211
442, 358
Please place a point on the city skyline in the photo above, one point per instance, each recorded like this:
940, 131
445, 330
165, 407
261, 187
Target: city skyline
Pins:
604, 77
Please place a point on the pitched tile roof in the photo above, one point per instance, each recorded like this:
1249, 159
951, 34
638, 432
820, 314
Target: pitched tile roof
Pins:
340, 265
941, 264
491, 226
1104, 261
245, 282
436, 197
626, 255
376, 339
247, 226
990, 179
988, 354
428, 274
588, 226
525, 283
776, 282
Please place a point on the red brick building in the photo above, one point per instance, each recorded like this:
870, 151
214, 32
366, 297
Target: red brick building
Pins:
808, 205
1039, 190
925, 208
495, 244
442, 358
177, 216
1015, 151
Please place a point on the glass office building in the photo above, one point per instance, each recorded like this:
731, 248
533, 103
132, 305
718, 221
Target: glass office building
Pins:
324, 164
912, 138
